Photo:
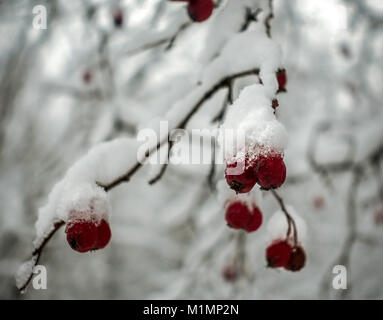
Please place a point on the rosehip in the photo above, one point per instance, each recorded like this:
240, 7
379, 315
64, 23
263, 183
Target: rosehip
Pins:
200, 10
103, 235
297, 259
118, 17
278, 254
270, 171
81, 235
241, 183
239, 216
275, 103
282, 80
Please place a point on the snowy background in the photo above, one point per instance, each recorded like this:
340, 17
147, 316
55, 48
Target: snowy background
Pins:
170, 239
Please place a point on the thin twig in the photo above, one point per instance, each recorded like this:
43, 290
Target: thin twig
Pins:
37, 252
291, 227
268, 19
206, 96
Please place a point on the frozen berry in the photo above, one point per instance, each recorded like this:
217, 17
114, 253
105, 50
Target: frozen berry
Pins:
103, 235
87, 76
81, 235
275, 103
278, 254
270, 171
297, 259
240, 216
118, 17
240, 177
282, 80
200, 10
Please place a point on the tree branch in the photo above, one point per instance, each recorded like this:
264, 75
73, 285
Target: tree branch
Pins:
37, 252
206, 96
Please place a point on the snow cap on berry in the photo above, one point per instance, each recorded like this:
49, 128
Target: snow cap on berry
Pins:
252, 123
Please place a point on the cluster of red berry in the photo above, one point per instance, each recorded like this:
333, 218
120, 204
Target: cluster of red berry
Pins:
85, 235
240, 216
281, 254
199, 10
268, 170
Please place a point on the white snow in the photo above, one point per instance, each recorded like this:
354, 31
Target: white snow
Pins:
251, 116
261, 52
78, 190
24, 272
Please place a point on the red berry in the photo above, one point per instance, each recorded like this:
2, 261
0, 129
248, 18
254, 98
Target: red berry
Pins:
270, 171
275, 103
297, 260
245, 180
81, 235
239, 216
118, 17
103, 235
278, 254
282, 80
255, 220
200, 10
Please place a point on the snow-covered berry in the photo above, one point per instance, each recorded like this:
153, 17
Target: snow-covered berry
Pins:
278, 254
85, 235
240, 216
282, 80
200, 10
81, 235
243, 182
297, 259
270, 171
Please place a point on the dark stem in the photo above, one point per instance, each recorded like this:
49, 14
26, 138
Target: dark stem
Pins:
291, 227
36, 254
